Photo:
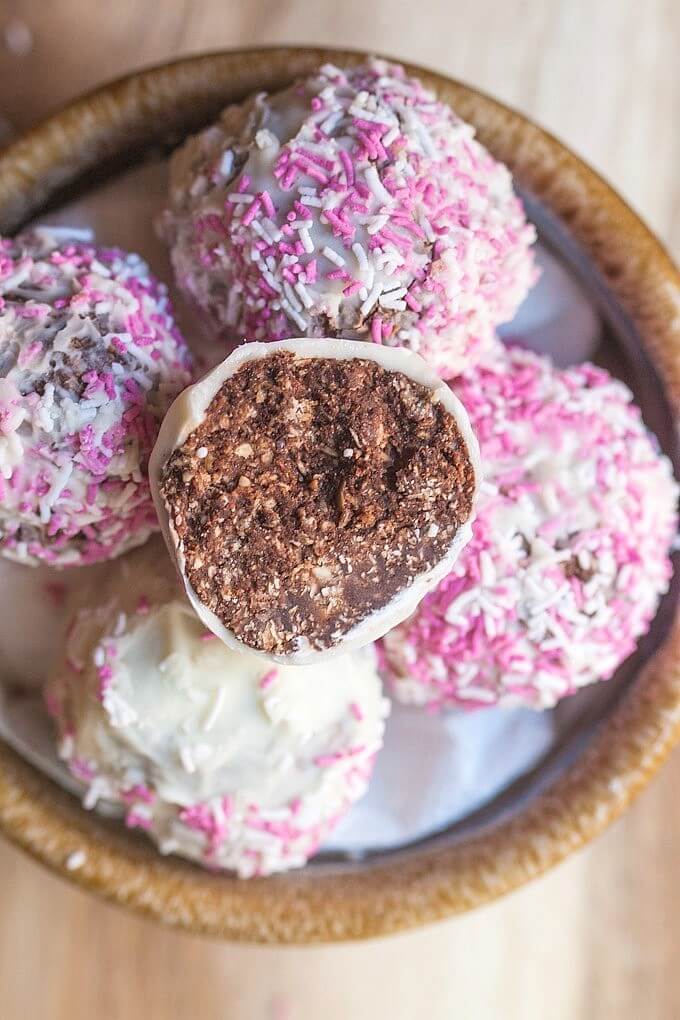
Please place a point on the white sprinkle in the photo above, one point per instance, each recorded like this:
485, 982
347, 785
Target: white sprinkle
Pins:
202, 452
478, 693
550, 500
292, 314
262, 231
271, 280
331, 122
360, 255
365, 114
306, 239
376, 223
292, 297
366, 270
227, 163
487, 569
75, 860
391, 136
333, 256
97, 788
58, 485
168, 846
348, 453
376, 186
304, 294
372, 298
274, 231
239, 199
215, 710
391, 298
265, 139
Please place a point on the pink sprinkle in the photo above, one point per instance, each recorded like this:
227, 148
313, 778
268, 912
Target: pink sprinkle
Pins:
134, 820
352, 288
251, 212
269, 207
347, 166
268, 679
139, 792
310, 271
356, 711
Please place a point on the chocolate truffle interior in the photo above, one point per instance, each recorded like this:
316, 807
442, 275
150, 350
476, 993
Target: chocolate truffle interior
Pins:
314, 491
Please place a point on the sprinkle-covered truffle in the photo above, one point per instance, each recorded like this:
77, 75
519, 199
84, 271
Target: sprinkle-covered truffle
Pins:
313, 491
214, 754
570, 549
90, 360
353, 204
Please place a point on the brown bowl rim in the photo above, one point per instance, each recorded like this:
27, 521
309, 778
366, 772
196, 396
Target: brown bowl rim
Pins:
384, 896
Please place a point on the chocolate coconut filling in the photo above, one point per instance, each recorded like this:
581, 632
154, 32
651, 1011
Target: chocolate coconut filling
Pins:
313, 492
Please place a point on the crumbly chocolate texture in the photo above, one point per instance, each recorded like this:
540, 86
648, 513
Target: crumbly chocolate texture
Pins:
312, 493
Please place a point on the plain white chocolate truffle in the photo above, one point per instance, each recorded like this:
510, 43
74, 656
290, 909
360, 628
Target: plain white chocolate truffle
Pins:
214, 754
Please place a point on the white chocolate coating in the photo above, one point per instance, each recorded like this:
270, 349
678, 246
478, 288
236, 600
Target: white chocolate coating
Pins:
216, 756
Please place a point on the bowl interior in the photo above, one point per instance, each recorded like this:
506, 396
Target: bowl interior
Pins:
93, 175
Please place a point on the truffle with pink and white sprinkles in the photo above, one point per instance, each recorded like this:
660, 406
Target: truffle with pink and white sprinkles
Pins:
216, 755
353, 204
90, 360
570, 553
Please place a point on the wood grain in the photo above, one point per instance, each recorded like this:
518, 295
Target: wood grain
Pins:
598, 937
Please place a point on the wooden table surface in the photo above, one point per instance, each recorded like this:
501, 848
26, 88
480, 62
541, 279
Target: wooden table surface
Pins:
600, 936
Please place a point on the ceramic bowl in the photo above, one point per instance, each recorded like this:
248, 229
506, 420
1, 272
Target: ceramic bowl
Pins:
598, 766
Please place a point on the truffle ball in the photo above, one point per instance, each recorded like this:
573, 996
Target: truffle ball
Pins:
353, 204
214, 754
90, 360
570, 552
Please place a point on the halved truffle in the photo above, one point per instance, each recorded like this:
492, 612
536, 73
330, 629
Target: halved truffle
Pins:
312, 492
